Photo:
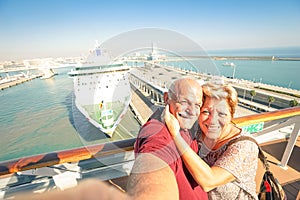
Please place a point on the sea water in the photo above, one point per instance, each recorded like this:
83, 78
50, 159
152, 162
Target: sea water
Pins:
38, 116
34, 117
279, 73
284, 73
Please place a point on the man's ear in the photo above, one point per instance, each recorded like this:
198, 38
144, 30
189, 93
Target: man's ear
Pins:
166, 98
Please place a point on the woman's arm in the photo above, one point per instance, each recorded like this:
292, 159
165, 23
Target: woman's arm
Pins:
207, 177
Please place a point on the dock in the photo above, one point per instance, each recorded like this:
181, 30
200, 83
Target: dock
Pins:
18, 81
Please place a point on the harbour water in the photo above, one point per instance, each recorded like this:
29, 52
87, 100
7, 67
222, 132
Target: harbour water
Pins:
39, 116
281, 73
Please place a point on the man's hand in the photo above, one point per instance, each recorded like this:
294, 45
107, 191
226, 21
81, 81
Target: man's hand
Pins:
171, 122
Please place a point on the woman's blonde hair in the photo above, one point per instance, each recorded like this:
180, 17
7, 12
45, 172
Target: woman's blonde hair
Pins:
221, 91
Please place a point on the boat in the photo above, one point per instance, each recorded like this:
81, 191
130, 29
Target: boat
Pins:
48, 73
102, 90
230, 64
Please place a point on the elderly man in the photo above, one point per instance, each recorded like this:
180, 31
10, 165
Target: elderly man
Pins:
159, 171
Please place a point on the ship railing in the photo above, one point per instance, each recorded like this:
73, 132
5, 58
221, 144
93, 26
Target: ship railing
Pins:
270, 124
116, 158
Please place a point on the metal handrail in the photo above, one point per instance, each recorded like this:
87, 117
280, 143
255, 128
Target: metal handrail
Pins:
267, 116
71, 155
294, 118
100, 150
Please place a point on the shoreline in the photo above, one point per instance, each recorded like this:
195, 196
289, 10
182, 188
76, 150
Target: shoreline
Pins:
19, 81
248, 58
256, 58
264, 86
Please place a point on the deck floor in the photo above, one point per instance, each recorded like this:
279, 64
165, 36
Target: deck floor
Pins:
290, 177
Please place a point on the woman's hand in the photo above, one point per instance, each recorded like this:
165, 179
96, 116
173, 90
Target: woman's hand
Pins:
171, 122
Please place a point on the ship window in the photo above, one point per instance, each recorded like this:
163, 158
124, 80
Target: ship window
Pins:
107, 86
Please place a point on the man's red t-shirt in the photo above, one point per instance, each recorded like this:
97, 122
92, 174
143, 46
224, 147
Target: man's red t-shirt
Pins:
155, 138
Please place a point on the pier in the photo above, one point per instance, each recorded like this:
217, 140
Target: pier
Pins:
152, 80
18, 81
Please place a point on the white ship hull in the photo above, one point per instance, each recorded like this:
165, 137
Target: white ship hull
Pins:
102, 90
102, 94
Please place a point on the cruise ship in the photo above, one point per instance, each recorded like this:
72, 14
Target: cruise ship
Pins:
102, 90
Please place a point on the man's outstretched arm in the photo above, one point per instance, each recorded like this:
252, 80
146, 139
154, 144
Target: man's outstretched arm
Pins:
92, 189
152, 178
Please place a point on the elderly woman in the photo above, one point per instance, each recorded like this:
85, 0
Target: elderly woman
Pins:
224, 171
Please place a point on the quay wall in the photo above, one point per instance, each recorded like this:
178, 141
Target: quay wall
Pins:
19, 81
259, 102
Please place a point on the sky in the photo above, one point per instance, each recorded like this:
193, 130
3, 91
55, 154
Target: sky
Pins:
64, 28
